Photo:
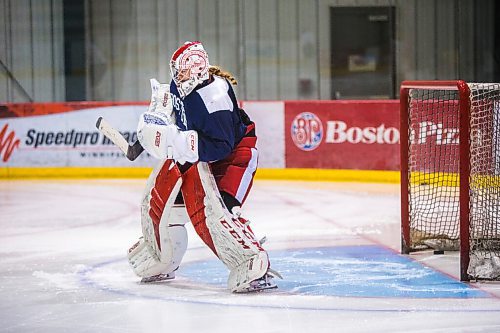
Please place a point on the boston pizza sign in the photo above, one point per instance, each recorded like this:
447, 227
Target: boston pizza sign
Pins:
360, 135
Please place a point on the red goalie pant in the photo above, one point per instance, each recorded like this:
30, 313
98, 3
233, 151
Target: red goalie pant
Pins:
234, 174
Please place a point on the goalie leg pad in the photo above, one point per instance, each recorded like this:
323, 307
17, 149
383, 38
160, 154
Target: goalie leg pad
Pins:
224, 234
144, 260
161, 190
164, 240
174, 237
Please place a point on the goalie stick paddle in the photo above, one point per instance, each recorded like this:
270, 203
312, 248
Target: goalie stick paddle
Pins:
131, 151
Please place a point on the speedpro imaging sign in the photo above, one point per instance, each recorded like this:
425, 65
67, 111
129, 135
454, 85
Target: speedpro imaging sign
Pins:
69, 138
361, 135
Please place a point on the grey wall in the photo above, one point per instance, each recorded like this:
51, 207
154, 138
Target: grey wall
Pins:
31, 49
270, 45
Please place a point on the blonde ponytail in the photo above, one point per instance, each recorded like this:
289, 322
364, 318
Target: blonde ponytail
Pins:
216, 70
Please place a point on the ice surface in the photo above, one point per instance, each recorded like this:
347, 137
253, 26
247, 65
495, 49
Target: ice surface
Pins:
63, 266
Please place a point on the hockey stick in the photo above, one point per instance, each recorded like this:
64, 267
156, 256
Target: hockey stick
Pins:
131, 151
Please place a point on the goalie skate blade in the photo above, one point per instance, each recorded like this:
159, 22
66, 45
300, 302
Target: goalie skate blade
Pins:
264, 283
258, 288
157, 278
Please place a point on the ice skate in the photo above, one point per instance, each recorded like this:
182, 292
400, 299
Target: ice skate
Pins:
158, 278
264, 283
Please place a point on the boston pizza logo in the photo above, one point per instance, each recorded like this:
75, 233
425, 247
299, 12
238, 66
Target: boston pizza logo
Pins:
307, 131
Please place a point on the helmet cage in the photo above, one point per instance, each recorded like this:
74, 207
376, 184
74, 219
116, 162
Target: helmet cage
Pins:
189, 67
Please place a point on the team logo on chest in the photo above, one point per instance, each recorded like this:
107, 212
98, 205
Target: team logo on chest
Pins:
178, 105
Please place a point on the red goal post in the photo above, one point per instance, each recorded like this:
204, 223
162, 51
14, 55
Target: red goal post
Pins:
450, 183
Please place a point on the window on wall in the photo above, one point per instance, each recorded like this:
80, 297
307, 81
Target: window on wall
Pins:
74, 50
362, 52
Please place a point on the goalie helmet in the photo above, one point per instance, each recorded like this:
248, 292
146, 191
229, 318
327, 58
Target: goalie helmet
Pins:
189, 67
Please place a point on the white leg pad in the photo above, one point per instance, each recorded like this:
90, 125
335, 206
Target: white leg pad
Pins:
144, 260
250, 270
173, 236
227, 237
164, 240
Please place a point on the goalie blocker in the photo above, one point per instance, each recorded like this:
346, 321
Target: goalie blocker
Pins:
164, 243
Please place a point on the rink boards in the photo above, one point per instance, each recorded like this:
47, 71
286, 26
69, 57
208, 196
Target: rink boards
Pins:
342, 140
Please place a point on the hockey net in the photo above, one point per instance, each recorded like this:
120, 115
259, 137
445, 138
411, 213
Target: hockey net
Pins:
450, 186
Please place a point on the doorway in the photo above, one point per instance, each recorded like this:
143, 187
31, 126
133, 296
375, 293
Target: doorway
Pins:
362, 52
74, 50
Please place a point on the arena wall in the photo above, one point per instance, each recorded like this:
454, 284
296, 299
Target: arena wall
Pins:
306, 140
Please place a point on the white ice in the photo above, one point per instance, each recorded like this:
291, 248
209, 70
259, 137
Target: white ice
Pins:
63, 266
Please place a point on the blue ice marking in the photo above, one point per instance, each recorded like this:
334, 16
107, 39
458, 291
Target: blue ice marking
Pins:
347, 271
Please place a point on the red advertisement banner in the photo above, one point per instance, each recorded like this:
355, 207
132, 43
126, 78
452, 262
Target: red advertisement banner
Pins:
12, 110
361, 135
434, 136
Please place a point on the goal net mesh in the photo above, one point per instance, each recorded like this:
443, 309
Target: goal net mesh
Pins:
434, 166
484, 142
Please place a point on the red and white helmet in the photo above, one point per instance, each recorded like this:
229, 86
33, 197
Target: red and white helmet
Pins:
189, 67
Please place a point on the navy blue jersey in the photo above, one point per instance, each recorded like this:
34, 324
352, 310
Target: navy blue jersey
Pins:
212, 111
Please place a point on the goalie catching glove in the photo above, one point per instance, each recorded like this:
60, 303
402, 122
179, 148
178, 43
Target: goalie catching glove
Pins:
158, 133
161, 100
